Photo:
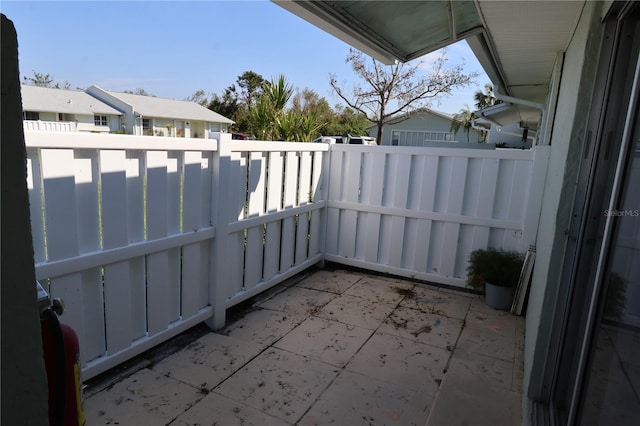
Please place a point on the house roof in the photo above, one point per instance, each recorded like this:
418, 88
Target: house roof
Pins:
151, 106
419, 111
46, 99
516, 42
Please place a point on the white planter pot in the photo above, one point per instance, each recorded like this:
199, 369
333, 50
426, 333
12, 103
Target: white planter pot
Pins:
498, 297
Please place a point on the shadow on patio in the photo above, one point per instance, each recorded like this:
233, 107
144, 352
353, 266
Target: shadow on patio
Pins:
330, 346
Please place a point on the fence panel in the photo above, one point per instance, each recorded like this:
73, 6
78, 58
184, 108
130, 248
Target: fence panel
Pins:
114, 239
419, 212
282, 188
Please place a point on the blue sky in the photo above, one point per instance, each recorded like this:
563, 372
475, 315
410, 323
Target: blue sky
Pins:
173, 48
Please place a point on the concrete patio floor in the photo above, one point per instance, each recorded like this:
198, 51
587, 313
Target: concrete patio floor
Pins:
333, 347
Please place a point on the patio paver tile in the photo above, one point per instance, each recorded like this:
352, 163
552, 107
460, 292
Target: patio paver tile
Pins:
436, 302
499, 322
492, 371
422, 327
144, 398
479, 305
467, 399
487, 343
279, 383
218, 410
380, 290
356, 311
263, 326
298, 300
346, 348
401, 361
458, 293
355, 399
325, 340
209, 360
332, 281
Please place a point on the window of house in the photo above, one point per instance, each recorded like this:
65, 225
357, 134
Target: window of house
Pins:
100, 120
31, 115
395, 138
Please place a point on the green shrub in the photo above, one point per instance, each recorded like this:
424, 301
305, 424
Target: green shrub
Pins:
499, 267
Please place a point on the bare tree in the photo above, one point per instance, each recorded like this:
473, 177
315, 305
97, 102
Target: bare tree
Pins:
140, 92
199, 97
389, 90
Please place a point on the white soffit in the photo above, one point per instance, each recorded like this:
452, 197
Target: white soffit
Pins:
392, 29
516, 41
525, 37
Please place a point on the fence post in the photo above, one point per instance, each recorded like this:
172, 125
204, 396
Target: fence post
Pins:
220, 200
323, 194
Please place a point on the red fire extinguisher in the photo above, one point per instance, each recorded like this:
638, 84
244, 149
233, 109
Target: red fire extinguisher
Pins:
62, 362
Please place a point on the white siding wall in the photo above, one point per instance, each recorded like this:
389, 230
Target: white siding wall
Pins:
559, 191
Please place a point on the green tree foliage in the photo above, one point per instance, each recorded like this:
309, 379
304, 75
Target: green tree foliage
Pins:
236, 100
279, 115
250, 87
486, 98
463, 120
346, 120
388, 91
45, 80
226, 105
274, 110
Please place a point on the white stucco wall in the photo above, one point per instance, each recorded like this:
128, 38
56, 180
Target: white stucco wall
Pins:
569, 127
128, 117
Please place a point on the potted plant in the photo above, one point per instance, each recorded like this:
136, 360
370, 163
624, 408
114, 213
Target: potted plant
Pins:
497, 273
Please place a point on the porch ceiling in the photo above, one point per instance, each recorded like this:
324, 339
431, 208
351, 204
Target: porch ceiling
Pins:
515, 41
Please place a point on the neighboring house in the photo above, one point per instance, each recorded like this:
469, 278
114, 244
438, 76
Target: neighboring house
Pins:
66, 110
422, 127
153, 116
568, 71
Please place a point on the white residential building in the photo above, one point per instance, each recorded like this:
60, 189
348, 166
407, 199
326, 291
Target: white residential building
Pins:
423, 127
153, 116
47, 108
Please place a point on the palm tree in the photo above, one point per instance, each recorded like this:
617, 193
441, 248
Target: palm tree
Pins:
261, 117
309, 126
463, 120
268, 117
278, 92
485, 98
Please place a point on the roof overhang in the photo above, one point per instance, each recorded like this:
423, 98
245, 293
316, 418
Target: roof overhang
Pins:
506, 113
516, 41
391, 30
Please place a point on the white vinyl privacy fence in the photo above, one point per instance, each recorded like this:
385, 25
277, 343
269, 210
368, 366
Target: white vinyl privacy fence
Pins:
419, 212
144, 237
